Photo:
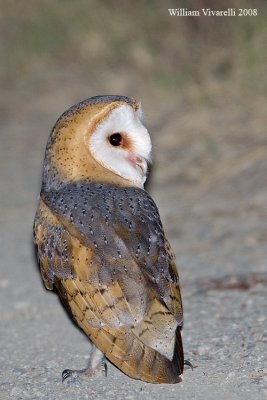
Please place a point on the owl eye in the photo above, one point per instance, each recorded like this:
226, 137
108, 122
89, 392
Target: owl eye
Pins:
115, 139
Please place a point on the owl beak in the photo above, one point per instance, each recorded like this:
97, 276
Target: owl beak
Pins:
139, 162
142, 164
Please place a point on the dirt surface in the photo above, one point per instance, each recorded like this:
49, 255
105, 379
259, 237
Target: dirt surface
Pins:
208, 180
211, 191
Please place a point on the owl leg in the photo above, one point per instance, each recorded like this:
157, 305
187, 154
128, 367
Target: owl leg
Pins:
97, 365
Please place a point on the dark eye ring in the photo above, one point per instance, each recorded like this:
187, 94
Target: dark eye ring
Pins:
115, 139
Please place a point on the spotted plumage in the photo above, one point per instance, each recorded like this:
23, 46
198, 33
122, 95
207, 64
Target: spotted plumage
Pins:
101, 244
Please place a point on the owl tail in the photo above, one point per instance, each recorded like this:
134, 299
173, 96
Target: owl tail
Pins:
139, 361
123, 345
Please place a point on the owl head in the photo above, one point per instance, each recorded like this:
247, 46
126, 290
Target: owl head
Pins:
101, 139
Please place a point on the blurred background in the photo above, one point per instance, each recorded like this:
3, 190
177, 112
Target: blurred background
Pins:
202, 82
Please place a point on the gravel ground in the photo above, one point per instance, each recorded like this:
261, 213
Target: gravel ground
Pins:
209, 181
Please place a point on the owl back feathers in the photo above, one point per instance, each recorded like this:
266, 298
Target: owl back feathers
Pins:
103, 248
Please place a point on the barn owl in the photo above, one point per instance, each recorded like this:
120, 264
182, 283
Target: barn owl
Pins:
101, 245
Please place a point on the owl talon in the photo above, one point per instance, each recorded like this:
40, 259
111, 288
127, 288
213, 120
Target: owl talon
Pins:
105, 368
189, 364
67, 373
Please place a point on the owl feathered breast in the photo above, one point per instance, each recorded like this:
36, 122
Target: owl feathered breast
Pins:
103, 248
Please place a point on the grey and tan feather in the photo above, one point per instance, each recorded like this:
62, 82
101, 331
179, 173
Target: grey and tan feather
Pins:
102, 247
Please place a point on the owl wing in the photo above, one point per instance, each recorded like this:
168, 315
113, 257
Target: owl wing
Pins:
113, 268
